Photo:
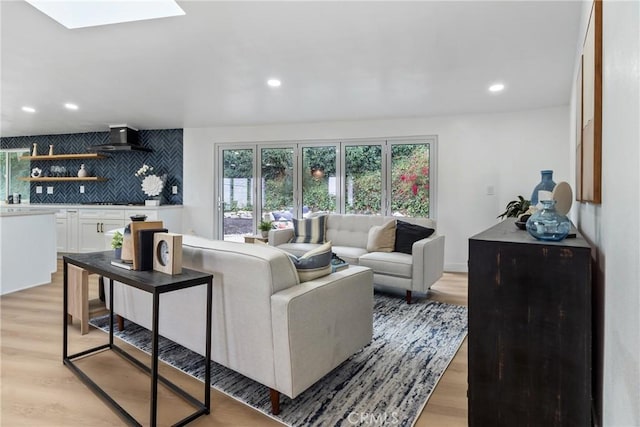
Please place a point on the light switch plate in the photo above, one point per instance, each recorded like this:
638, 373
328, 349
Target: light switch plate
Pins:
174, 189
82, 189
49, 190
39, 189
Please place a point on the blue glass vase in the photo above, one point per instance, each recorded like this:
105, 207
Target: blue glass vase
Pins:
546, 184
547, 224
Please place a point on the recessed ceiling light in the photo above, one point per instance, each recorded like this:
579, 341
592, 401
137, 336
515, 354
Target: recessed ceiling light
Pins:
497, 87
80, 14
29, 109
274, 82
70, 106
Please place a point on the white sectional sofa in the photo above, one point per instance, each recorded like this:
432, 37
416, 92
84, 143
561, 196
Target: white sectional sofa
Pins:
349, 235
266, 325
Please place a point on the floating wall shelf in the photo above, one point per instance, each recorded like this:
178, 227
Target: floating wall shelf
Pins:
65, 178
84, 156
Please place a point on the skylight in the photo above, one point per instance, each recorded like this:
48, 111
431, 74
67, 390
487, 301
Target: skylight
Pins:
90, 13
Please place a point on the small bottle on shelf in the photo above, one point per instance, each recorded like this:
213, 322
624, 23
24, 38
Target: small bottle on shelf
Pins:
35, 149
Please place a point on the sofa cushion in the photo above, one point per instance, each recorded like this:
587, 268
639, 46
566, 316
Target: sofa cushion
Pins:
315, 263
382, 238
311, 230
407, 234
391, 264
349, 254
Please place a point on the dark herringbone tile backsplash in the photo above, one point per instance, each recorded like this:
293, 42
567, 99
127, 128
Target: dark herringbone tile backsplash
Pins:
119, 168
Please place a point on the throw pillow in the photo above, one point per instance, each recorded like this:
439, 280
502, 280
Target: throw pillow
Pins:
315, 263
311, 230
407, 234
382, 238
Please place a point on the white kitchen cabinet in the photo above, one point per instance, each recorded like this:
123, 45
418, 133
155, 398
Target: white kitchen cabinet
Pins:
93, 223
61, 231
72, 231
81, 229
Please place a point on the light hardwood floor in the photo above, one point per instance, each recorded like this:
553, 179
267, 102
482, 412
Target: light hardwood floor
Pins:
38, 390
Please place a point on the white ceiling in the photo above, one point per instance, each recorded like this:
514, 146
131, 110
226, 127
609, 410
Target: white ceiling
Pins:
336, 60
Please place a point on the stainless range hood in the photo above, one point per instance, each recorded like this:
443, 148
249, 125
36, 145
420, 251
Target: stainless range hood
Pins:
121, 138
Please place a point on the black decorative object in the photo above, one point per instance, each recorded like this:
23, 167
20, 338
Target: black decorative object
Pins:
407, 234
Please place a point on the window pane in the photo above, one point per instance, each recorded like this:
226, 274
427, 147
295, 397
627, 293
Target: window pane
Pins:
3, 175
11, 170
363, 183
237, 193
318, 179
277, 186
19, 169
410, 179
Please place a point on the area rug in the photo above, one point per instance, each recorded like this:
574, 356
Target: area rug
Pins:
386, 383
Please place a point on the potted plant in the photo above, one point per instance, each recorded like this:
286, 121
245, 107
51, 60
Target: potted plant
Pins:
264, 228
517, 209
116, 244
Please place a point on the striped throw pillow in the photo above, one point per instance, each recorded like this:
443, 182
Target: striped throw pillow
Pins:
315, 263
311, 230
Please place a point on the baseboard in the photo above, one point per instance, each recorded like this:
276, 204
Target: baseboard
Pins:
456, 268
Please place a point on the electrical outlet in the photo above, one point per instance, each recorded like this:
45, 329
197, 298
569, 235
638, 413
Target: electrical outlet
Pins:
49, 190
82, 189
491, 191
39, 189
174, 189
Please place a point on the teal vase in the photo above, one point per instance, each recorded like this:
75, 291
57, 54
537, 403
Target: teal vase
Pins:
546, 184
547, 224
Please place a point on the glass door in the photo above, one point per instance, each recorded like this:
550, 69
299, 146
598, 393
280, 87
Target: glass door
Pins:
410, 179
237, 194
363, 191
319, 179
277, 186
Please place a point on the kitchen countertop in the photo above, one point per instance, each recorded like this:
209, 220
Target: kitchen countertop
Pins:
23, 211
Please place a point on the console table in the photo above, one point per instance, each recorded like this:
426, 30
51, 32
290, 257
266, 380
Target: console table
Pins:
154, 283
529, 329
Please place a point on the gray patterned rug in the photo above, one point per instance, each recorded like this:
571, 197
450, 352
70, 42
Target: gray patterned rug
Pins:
386, 383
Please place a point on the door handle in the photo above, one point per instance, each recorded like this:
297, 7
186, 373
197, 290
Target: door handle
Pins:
97, 227
102, 227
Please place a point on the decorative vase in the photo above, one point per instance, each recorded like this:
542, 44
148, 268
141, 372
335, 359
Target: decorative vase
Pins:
35, 149
265, 234
117, 252
51, 150
547, 224
82, 173
546, 185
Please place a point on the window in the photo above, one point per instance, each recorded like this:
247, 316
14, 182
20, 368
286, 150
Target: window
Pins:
281, 181
11, 169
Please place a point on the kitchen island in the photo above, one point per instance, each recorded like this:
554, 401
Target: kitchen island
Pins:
27, 248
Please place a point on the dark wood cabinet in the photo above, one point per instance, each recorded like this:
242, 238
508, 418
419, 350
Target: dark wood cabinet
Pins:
529, 329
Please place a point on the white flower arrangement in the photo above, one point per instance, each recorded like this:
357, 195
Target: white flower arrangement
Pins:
152, 184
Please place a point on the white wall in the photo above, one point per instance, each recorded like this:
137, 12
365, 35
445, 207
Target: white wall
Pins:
613, 225
506, 151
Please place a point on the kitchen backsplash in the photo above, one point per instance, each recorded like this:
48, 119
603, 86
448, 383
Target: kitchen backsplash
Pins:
119, 168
